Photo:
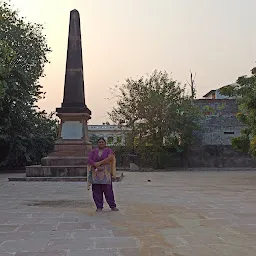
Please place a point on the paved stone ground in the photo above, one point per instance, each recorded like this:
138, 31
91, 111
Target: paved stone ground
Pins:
177, 214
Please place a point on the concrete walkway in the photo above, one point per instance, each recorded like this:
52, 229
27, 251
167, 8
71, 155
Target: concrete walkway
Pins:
177, 214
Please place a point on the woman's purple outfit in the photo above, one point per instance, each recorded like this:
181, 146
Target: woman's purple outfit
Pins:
101, 180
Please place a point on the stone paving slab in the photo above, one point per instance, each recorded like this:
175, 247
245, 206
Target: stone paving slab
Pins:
176, 214
53, 253
115, 242
94, 252
72, 244
58, 179
34, 245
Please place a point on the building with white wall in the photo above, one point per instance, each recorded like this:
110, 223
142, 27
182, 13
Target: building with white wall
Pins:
113, 134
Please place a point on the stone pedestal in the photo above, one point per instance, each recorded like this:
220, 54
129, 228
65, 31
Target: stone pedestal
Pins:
73, 140
70, 154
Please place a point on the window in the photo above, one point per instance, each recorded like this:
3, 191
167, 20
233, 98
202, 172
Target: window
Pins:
119, 139
229, 133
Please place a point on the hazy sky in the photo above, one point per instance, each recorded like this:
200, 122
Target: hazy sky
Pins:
129, 38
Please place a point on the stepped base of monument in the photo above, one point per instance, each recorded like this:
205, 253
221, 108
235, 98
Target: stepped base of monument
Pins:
59, 179
64, 161
56, 171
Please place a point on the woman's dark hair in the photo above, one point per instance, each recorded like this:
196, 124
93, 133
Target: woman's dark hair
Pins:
101, 138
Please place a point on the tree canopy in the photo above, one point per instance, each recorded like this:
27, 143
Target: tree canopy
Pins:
94, 139
6, 58
158, 111
26, 133
245, 92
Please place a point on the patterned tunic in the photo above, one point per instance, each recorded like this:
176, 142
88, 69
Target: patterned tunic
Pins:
103, 173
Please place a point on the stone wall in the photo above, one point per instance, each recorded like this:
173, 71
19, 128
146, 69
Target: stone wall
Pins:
219, 123
217, 156
199, 156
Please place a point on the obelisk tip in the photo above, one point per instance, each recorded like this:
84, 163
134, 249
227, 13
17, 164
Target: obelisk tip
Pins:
75, 11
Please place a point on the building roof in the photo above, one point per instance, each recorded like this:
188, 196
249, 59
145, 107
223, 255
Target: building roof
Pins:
214, 100
213, 91
209, 93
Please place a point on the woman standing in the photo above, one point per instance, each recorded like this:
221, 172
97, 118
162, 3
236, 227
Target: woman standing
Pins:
101, 169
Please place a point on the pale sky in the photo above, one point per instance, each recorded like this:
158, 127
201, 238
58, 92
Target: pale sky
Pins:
129, 38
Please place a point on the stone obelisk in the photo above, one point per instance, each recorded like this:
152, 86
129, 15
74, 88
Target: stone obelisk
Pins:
69, 157
74, 100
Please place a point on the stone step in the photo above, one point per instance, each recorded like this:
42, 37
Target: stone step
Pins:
56, 171
59, 179
64, 161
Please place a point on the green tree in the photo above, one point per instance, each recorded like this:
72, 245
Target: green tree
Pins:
6, 57
93, 139
26, 133
245, 92
159, 112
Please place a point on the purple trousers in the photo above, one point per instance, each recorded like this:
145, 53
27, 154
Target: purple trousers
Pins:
98, 190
